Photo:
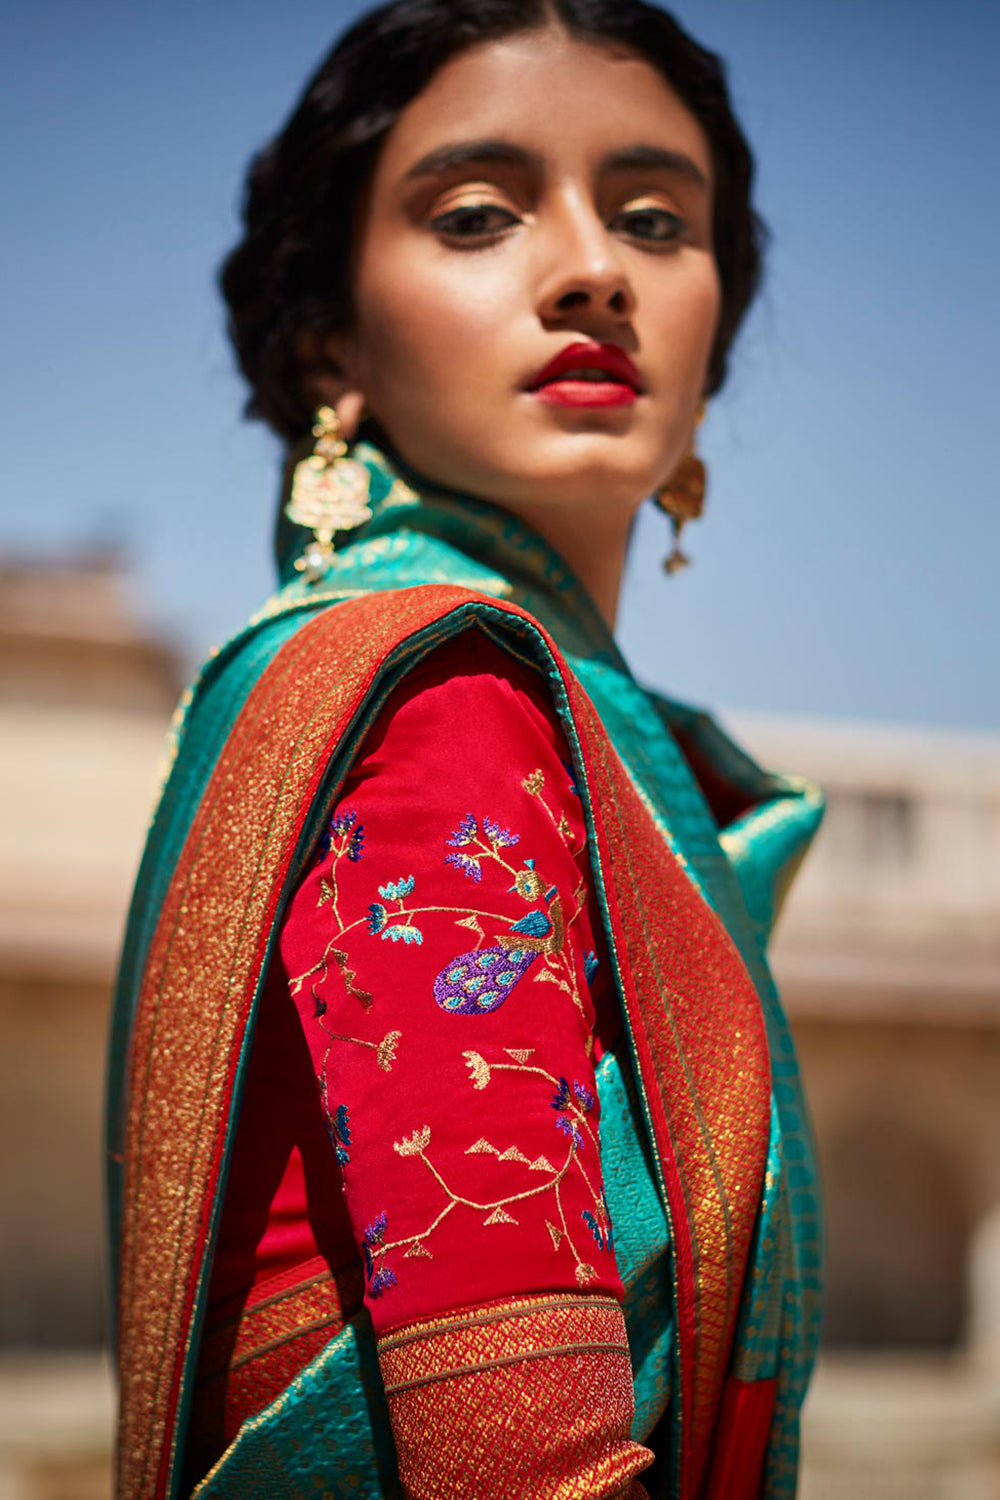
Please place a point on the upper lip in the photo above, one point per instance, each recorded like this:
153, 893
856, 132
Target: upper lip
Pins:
588, 356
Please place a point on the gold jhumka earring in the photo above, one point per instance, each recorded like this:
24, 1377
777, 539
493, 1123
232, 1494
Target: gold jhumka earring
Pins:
329, 494
682, 498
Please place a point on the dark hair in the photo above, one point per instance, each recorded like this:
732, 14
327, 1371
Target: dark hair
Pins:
289, 275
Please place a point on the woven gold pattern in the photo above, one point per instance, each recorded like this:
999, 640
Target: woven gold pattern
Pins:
514, 1399
287, 1315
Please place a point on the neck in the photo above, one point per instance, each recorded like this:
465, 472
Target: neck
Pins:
540, 557
595, 555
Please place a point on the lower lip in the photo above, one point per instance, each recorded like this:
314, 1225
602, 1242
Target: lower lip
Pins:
586, 393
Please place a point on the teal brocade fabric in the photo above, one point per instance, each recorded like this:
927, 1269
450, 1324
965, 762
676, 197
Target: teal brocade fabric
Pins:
419, 535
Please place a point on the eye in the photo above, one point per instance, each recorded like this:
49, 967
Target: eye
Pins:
652, 225
474, 222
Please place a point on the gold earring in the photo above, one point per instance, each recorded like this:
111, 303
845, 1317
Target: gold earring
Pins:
329, 494
682, 498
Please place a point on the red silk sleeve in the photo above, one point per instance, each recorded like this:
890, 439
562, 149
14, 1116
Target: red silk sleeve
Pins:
445, 958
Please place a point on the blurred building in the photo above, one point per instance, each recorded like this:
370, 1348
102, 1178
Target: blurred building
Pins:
888, 957
85, 695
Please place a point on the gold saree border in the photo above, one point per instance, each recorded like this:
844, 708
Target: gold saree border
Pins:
523, 1328
549, 1375
197, 991
694, 1016
699, 1034
261, 1326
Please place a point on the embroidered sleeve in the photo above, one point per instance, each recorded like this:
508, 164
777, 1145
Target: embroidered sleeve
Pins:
444, 956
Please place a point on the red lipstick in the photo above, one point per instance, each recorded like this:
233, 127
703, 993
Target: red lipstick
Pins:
588, 374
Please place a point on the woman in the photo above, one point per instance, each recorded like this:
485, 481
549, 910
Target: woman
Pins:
435, 888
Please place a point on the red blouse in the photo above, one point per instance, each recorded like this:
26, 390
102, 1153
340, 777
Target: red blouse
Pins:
420, 1105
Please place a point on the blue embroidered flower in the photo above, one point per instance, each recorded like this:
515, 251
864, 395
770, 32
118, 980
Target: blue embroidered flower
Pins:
343, 823
403, 932
467, 863
374, 1234
571, 775
339, 1131
379, 1280
609, 1238
560, 1099
562, 1103
319, 1006
584, 1096
466, 831
590, 966
595, 1229
396, 890
569, 1127
500, 838
377, 917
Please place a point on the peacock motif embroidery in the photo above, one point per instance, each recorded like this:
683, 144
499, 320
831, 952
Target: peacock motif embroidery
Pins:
480, 979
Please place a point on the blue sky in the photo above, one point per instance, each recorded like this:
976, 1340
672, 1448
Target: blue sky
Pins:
847, 562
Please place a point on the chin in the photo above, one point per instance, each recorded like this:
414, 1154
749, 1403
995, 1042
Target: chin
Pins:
602, 481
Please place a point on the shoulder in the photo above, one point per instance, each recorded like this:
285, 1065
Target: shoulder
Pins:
470, 735
471, 691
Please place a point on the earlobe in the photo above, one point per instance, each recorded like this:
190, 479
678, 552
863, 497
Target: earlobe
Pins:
350, 407
327, 378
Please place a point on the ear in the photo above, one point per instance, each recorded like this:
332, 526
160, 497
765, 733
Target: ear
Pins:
327, 380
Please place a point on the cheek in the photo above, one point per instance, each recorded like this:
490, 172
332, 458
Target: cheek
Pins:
419, 326
692, 314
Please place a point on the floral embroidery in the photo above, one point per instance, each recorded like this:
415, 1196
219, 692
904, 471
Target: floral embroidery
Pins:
336, 1118
467, 863
343, 835
574, 1103
342, 823
600, 1231
479, 980
540, 1189
467, 834
567, 1115
338, 1128
476, 981
380, 1277
534, 785
500, 838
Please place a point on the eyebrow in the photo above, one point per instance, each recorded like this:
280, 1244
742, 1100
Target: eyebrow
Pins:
655, 156
504, 153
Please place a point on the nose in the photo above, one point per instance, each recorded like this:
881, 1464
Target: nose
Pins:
584, 274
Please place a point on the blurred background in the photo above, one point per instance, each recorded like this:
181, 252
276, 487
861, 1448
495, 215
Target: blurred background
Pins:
841, 617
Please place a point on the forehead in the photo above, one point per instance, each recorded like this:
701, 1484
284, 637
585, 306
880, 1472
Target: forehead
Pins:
569, 101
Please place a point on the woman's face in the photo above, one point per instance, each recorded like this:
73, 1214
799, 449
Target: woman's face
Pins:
540, 193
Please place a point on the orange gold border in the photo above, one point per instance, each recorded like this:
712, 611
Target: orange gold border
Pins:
536, 1399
